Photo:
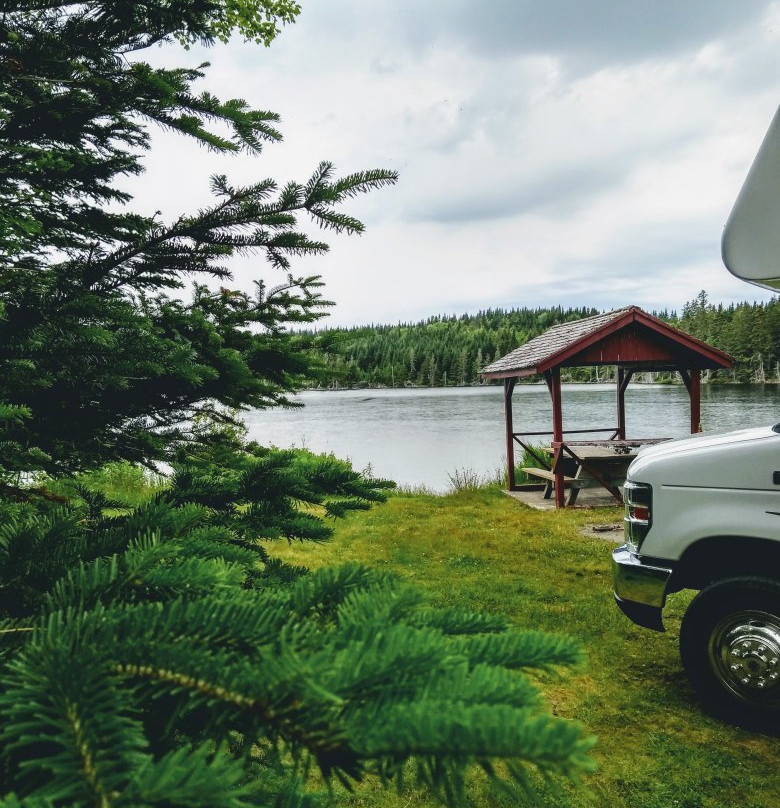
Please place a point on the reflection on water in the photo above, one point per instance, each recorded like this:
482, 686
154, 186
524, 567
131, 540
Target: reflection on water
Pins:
421, 436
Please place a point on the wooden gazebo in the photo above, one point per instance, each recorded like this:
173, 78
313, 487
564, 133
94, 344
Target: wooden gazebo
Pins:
630, 339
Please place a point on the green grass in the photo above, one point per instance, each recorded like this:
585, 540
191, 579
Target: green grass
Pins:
125, 483
479, 548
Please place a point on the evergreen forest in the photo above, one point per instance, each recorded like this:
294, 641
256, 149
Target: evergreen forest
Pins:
450, 351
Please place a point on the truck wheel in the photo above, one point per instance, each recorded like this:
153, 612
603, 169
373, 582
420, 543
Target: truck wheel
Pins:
730, 649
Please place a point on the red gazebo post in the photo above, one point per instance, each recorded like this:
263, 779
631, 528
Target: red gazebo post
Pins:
622, 383
509, 386
553, 377
695, 401
692, 381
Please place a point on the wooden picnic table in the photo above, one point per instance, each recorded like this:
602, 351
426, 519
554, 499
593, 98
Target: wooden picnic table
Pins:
589, 464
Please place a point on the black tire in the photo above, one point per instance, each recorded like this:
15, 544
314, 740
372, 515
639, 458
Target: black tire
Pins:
730, 649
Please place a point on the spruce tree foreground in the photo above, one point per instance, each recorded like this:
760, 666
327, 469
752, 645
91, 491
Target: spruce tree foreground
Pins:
157, 654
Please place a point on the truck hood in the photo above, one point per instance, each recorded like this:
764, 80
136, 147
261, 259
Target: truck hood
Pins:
745, 458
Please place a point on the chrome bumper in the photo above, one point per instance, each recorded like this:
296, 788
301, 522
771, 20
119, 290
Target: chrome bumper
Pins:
640, 588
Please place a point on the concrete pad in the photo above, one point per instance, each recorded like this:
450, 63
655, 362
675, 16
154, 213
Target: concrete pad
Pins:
588, 498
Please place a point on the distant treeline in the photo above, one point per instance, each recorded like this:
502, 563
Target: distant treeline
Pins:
451, 350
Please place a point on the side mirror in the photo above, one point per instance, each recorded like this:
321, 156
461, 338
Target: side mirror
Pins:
751, 239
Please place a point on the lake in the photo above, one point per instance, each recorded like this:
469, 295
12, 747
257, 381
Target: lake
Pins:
419, 437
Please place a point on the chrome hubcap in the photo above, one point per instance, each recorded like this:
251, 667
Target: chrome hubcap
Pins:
745, 651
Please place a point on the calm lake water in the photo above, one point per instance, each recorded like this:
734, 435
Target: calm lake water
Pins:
419, 437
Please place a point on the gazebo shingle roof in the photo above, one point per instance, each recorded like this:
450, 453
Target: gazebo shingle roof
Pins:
566, 339
551, 342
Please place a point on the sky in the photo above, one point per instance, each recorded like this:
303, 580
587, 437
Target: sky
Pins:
550, 152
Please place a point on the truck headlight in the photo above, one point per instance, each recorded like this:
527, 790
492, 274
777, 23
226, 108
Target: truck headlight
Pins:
638, 499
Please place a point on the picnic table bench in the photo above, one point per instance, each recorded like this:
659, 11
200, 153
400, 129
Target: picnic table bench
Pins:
549, 477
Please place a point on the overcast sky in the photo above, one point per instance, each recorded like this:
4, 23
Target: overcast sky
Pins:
550, 152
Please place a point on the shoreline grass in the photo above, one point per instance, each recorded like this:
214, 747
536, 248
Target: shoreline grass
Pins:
481, 549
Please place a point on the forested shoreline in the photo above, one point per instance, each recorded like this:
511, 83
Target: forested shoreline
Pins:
445, 351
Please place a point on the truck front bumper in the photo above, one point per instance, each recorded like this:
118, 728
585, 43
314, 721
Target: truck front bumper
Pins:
640, 588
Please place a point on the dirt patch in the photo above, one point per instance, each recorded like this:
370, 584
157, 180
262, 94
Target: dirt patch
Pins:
611, 532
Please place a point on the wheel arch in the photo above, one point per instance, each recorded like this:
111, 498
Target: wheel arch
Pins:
717, 557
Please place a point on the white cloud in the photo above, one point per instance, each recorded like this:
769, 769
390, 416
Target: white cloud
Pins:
549, 153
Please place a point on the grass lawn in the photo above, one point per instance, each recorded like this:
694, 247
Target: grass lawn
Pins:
480, 549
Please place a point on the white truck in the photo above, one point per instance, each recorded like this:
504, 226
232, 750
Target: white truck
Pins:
703, 513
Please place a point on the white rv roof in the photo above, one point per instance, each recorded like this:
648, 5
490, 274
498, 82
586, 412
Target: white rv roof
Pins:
751, 239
